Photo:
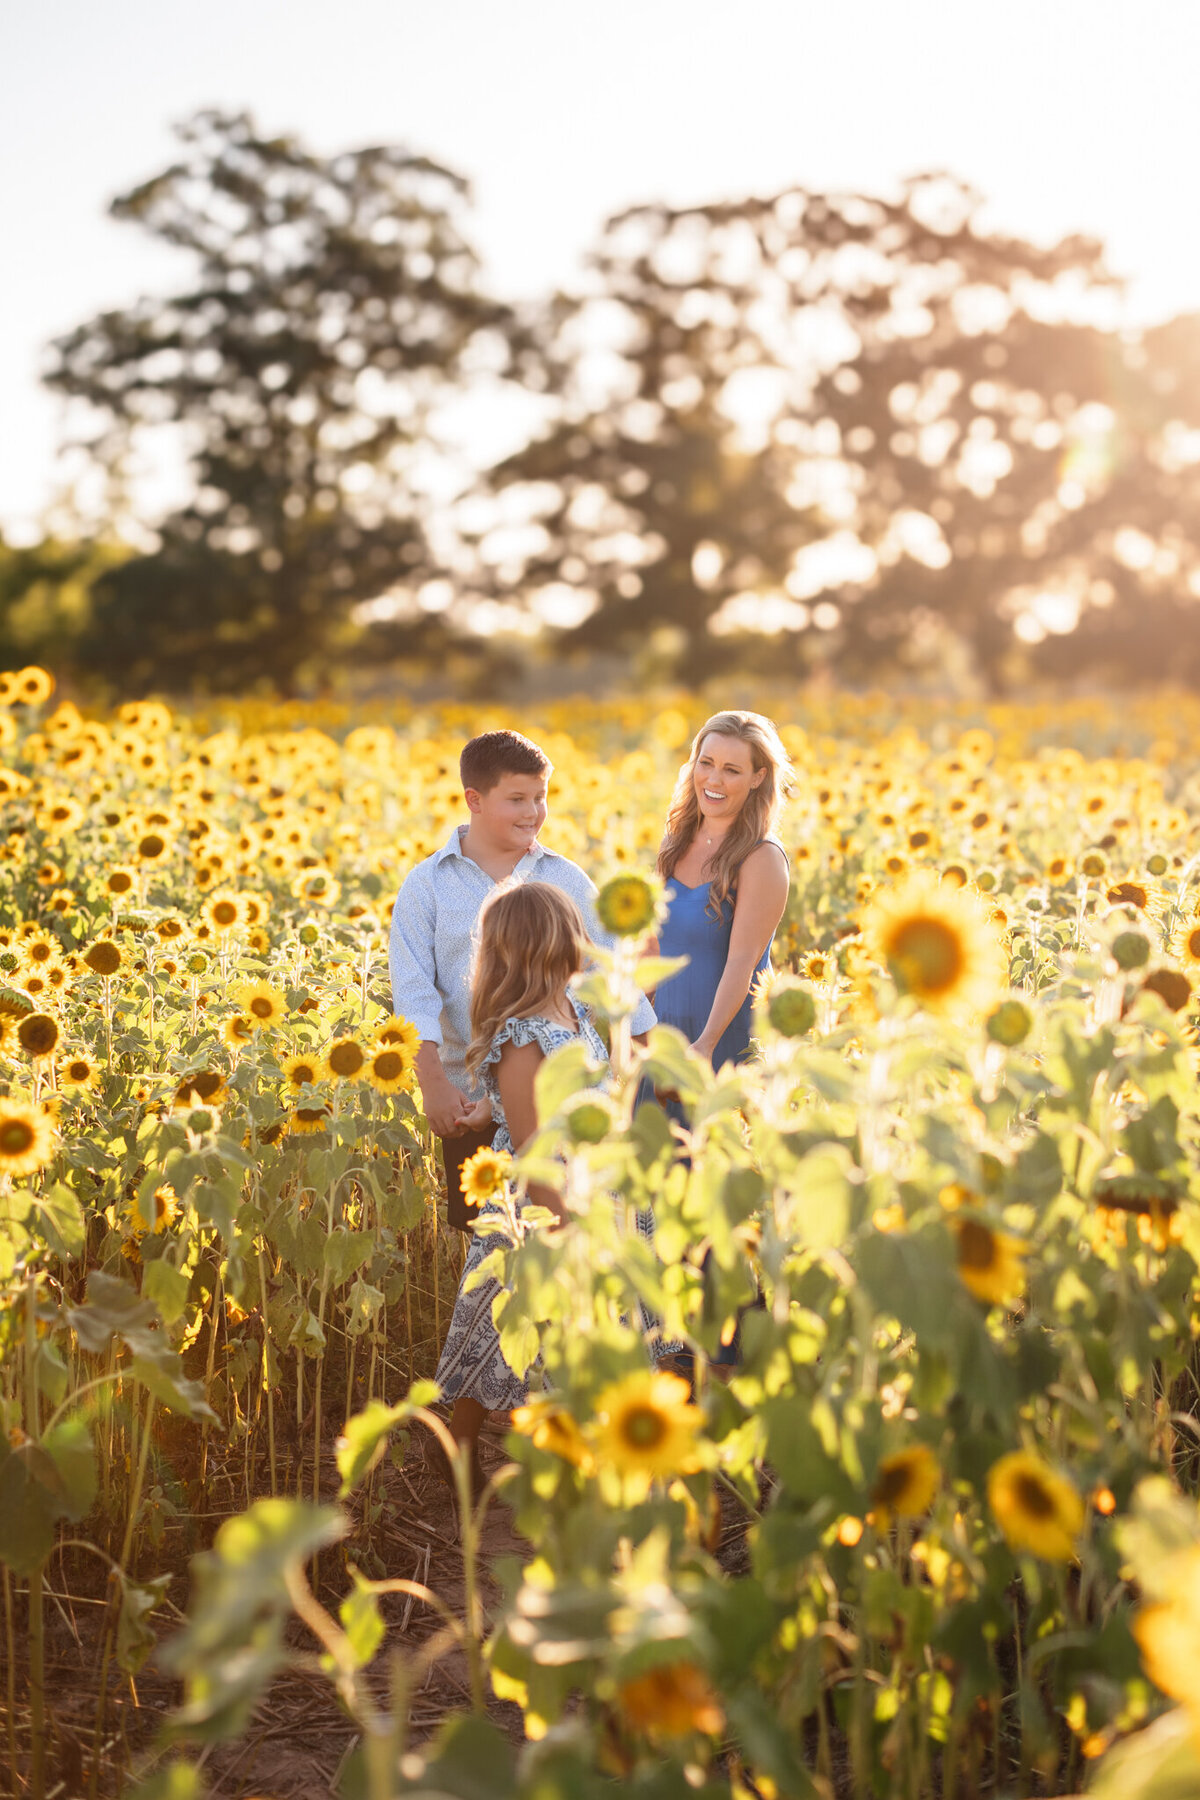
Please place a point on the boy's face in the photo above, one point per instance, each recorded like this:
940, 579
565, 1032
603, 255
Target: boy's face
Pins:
511, 813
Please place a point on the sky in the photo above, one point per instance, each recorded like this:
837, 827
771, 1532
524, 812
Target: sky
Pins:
1069, 115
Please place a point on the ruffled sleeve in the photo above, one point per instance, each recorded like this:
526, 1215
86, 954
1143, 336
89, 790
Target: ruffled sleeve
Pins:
519, 1032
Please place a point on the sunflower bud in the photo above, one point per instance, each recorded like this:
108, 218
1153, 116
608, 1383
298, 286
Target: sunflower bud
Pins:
791, 1009
1010, 1024
1131, 950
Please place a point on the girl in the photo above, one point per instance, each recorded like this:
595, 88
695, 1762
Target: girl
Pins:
532, 940
728, 880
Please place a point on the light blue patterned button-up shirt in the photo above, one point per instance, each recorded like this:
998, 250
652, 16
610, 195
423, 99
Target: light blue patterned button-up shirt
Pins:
433, 940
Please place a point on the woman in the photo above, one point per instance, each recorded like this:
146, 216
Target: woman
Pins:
728, 880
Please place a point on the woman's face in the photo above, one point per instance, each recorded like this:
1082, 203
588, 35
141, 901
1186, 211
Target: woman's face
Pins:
724, 776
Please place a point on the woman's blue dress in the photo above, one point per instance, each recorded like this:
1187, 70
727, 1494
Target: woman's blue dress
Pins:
685, 1000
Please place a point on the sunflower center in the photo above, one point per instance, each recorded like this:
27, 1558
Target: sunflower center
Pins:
38, 1035
303, 1072
16, 1137
928, 954
1193, 943
346, 1059
389, 1066
225, 913
976, 1245
120, 883
1033, 1499
78, 1071
890, 1484
261, 1007
644, 1427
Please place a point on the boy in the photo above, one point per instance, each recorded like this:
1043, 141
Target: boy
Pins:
504, 778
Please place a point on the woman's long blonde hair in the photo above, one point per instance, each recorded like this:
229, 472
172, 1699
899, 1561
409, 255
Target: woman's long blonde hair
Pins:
759, 816
532, 939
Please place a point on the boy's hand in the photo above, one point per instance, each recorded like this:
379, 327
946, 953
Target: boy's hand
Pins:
446, 1106
479, 1116
448, 1110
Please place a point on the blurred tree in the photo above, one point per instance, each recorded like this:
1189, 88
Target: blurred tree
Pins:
45, 598
867, 426
336, 300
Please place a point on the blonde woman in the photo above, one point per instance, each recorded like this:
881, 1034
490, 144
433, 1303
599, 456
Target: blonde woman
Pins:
727, 880
532, 940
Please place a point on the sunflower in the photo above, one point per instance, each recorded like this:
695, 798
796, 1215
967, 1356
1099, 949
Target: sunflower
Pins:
38, 1034
990, 1263
389, 1070
318, 886
401, 1033
153, 847
1128, 893
33, 685
78, 1072
647, 1425
165, 1204
103, 957
671, 1701
1036, 1508
303, 1071
905, 1485
1010, 1024
549, 1426
309, 1118
346, 1060
120, 880
204, 1085
1172, 988
1168, 1633
26, 1136
483, 1175
42, 949
937, 944
238, 1031
262, 1004
224, 911
627, 905
791, 1009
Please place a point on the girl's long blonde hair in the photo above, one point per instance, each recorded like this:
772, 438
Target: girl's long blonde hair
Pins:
532, 939
758, 818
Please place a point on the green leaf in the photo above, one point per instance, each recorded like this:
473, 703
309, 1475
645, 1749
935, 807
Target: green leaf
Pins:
1159, 1763
69, 1446
28, 1509
472, 1760
362, 1622
819, 1196
167, 1286
561, 1074
174, 1781
112, 1309
135, 1640
670, 1062
59, 1221
365, 1435
346, 1252
652, 971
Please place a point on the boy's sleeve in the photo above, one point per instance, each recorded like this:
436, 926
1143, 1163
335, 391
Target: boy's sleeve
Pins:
412, 959
584, 894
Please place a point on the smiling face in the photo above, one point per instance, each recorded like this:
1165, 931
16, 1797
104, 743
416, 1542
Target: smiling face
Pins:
724, 777
511, 814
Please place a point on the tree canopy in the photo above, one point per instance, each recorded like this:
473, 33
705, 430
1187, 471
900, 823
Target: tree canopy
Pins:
334, 301
866, 428
811, 430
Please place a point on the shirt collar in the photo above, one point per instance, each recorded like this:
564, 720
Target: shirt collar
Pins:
453, 847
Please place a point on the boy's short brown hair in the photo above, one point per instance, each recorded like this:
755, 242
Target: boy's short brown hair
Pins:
488, 758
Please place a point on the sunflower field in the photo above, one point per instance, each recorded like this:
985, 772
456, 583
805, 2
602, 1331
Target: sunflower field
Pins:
936, 1533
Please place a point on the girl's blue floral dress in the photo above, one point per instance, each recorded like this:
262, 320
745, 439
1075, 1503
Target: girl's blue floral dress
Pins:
471, 1362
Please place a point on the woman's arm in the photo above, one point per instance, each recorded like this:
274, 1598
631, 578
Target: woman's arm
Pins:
762, 892
515, 1075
